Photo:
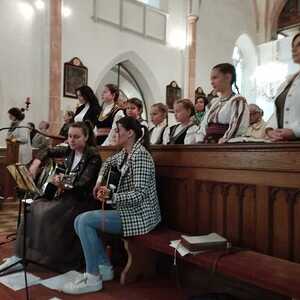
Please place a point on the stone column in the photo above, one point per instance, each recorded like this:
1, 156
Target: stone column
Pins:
55, 65
192, 41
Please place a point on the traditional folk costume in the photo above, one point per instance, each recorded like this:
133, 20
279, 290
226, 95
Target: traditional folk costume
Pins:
180, 134
227, 118
106, 124
51, 239
156, 133
87, 112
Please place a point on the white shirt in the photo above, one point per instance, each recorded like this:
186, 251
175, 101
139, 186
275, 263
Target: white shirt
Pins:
76, 160
156, 132
80, 116
111, 139
291, 107
190, 137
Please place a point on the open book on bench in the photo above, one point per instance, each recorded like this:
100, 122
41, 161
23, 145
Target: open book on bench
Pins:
203, 242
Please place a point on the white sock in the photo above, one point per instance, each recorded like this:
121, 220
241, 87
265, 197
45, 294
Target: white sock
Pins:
92, 279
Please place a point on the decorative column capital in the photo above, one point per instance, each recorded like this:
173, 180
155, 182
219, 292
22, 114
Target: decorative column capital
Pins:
192, 18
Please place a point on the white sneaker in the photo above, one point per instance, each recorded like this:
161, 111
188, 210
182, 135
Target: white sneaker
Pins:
81, 286
8, 262
106, 272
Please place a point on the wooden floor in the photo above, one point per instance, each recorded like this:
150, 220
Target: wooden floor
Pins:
157, 289
8, 216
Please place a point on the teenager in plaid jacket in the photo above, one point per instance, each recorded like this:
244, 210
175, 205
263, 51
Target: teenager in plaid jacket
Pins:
135, 201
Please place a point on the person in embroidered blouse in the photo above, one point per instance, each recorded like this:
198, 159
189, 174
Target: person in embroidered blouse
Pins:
200, 106
228, 115
158, 113
134, 108
284, 124
183, 132
110, 114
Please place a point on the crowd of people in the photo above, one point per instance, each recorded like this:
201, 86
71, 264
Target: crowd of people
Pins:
68, 217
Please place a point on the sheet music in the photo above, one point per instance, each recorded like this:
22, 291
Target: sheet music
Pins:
16, 281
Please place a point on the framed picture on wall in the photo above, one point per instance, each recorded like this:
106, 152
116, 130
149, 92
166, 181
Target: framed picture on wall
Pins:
173, 92
75, 76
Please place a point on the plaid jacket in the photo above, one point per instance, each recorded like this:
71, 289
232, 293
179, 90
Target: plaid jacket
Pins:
136, 196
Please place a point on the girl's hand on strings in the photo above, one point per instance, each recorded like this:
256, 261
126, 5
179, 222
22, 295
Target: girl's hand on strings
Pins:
103, 193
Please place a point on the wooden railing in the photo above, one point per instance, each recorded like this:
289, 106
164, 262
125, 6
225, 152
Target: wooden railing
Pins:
249, 193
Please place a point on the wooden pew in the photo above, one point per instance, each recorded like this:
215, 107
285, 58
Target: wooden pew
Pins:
248, 193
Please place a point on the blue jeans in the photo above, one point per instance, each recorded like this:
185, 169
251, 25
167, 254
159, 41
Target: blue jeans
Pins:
87, 226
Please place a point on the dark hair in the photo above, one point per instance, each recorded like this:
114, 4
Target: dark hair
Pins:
294, 38
31, 125
205, 100
227, 68
137, 102
87, 130
130, 123
187, 104
161, 107
17, 113
88, 95
114, 90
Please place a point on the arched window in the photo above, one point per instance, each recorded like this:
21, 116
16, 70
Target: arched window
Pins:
129, 88
237, 59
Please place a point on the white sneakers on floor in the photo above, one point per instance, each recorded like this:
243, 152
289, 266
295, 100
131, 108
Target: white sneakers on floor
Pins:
84, 284
88, 283
106, 272
8, 262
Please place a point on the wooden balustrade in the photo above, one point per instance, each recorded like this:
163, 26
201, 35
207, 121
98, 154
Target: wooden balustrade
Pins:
249, 193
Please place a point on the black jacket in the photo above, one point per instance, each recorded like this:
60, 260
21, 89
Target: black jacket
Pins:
92, 114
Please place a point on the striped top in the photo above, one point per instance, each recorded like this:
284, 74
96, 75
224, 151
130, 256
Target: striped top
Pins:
232, 110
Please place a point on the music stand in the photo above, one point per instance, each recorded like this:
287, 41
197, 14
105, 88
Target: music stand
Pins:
26, 184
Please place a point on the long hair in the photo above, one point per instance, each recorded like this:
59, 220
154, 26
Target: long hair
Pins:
87, 130
88, 95
227, 68
141, 131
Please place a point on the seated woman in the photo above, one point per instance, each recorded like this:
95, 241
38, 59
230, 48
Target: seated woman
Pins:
200, 106
51, 239
89, 108
228, 115
284, 124
110, 114
135, 200
183, 132
20, 135
158, 113
134, 108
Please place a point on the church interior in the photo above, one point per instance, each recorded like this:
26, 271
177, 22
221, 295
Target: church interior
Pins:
139, 129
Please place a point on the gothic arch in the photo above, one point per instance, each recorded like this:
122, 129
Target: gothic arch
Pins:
145, 78
274, 15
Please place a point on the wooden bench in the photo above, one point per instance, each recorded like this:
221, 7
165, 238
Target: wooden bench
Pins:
269, 273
